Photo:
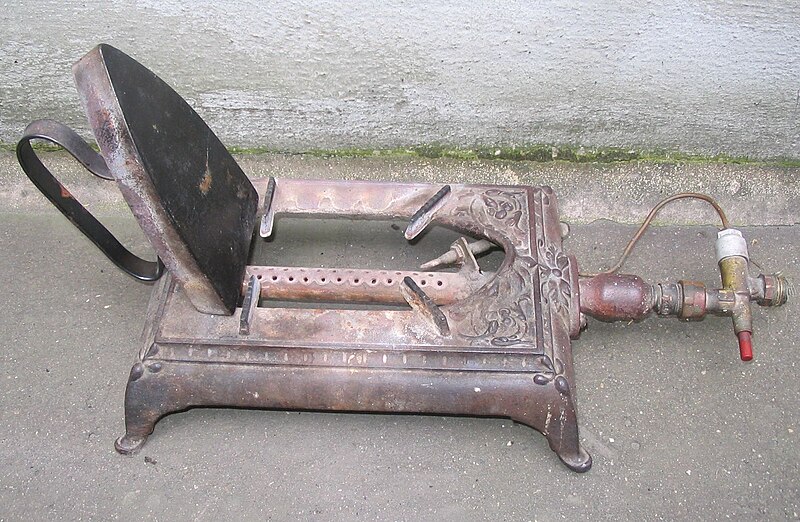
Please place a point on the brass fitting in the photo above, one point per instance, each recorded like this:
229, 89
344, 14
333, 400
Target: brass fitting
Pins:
694, 302
771, 289
733, 260
691, 300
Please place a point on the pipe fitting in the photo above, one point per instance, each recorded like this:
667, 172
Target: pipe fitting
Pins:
669, 299
774, 290
694, 303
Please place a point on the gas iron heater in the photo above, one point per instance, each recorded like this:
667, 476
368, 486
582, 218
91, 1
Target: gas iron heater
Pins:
468, 342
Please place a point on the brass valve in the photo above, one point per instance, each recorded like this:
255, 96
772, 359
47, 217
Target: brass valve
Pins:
692, 300
733, 260
610, 296
616, 297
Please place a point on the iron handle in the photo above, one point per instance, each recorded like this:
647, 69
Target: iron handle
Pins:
59, 134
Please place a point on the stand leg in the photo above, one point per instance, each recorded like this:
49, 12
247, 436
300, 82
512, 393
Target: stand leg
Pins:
562, 435
145, 403
558, 423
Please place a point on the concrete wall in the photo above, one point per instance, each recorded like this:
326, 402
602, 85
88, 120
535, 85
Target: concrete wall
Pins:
703, 77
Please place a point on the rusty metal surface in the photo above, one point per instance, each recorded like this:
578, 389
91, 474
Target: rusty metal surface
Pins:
249, 305
505, 351
418, 300
616, 297
190, 197
471, 343
694, 300
353, 285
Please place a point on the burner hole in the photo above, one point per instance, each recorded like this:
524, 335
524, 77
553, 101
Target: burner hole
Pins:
259, 276
439, 283
389, 281
423, 282
305, 280
374, 281
338, 279
291, 278
323, 280
356, 280
274, 278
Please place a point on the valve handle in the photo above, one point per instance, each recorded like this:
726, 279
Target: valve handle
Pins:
745, 345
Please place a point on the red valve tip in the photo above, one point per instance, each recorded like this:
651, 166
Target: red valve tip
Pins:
745, 346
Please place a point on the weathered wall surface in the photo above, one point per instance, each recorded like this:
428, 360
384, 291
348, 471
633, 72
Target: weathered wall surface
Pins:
720, 76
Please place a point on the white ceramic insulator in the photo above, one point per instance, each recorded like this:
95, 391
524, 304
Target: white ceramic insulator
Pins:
731, 243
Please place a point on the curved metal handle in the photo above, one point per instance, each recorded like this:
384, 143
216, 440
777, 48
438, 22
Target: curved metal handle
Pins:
61, 135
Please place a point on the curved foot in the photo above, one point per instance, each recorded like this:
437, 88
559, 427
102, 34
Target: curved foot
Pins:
151, 394
551, 411
581, 462
129, 445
